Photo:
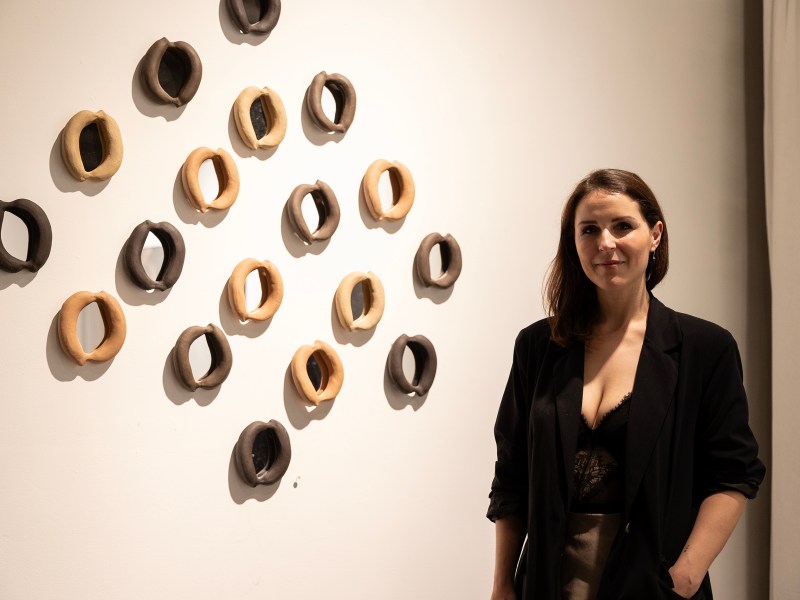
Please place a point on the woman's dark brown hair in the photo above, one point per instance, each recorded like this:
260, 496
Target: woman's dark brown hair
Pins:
570, 297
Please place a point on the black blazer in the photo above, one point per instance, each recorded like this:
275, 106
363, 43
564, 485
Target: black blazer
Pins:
688, 437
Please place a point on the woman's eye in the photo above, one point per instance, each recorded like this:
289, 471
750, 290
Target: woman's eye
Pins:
588, 230
623, 226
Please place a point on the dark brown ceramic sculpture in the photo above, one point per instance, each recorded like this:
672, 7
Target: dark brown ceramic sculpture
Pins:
260, 22
171, 72
174, 254
343, 94
451, 260
40, 236
221, 357
425, 364
113, 321
327, 208
263, 453
91, 146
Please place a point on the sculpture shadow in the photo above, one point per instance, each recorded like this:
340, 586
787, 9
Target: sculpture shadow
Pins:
239, 146
298, 410
232, 325
398, 399
177, 393
231, 31
188, 214
294, 245
241, 492
313, 133
129, 292
20, 278
62, 367
147, 106
359, 337
366, 216
64, 180
435, 294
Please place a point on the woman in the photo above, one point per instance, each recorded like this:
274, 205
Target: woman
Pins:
624, 452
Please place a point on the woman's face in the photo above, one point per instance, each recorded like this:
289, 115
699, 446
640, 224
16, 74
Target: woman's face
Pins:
613, 240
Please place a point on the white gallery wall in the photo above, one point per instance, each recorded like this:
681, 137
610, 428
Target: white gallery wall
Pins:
117, 483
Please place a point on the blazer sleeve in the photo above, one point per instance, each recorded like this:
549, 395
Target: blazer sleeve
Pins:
728, 451
509, 492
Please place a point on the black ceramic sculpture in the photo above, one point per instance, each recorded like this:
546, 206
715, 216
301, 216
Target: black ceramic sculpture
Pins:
171, 72
327, 208
40, 236
425, 364
174, 254
343, 94
221, 357
451, 260
263, 453
249, 20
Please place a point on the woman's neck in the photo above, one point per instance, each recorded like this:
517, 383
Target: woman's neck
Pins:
618, 310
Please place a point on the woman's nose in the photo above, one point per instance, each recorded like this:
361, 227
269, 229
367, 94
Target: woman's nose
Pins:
607, 241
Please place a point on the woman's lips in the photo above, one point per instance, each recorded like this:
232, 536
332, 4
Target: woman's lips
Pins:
611, 263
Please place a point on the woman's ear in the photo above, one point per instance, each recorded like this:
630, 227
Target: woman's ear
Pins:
658, 228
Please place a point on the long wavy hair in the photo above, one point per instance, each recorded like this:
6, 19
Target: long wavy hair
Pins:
570, 297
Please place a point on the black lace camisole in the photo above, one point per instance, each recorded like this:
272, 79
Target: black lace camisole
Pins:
600, 462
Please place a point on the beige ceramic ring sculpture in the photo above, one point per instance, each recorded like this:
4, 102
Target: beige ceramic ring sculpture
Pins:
263, 453
268, 14
221, 357
271, 289
402, 190
177, 82
272, 131
424, 364
451, 260
374, 301
331, 373
97, 163
113, 322
343, 94
227, 175
327, 208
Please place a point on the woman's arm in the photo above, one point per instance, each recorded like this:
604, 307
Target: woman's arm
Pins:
715, 522
509, 535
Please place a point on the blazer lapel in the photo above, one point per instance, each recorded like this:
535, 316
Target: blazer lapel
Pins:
568, 371
653, 392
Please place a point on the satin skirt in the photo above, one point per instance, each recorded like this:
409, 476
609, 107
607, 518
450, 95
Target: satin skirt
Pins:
589, 539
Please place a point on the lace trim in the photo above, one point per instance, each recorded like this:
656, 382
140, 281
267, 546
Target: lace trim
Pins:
625, 398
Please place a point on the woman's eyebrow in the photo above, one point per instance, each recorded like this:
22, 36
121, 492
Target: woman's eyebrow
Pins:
614, 220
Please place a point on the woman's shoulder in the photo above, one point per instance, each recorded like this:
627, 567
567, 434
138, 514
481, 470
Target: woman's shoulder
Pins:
536, 332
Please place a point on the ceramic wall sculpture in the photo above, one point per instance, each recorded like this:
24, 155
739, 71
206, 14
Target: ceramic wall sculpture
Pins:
327, 208
343, 94
113, 321
451, 260
402, 190
326, 368
91, 146
40, 236
171, 72
425, 364
374, 301
221, 357
260, 22
227, 175
271, 290
260, 118
174, 255
263, 453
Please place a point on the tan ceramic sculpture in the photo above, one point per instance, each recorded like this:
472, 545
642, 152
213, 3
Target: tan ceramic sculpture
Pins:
40, 236
424, 368
221, 357
113, 321
402, 190
331, 372
374, 301
271, 290
327, 208
263, 453
274, 114
109, 157
262, 23
451, 260
343, 94
174, 255
227, 175
171, 72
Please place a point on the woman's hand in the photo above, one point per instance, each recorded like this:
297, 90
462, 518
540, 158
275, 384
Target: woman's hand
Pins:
684, 582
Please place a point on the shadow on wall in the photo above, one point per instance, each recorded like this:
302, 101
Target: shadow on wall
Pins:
62, 367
